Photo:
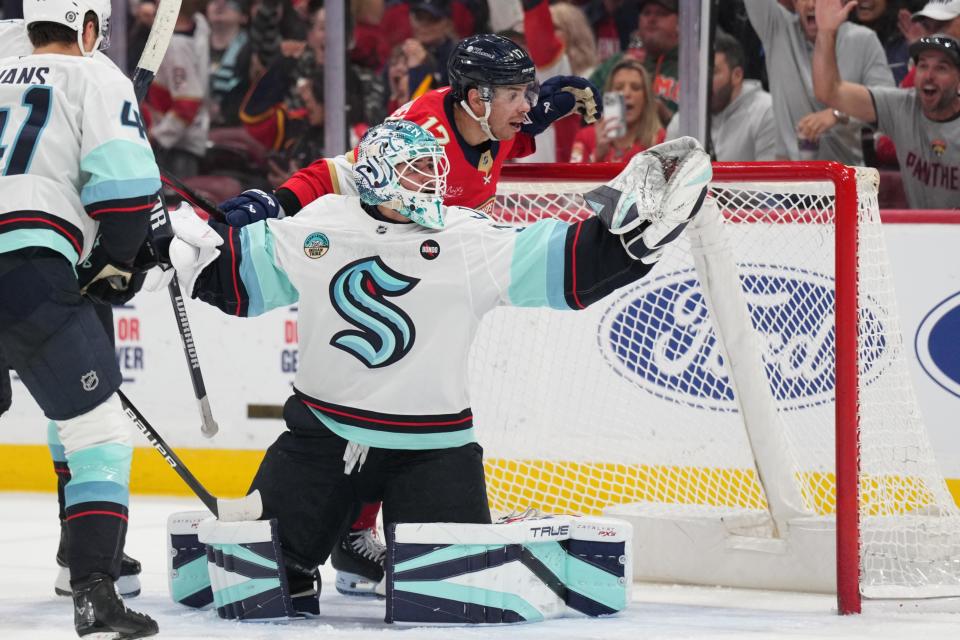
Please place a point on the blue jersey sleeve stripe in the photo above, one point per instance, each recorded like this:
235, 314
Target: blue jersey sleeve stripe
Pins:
26, 238
537, 266
267, 285
107, 190
119, 169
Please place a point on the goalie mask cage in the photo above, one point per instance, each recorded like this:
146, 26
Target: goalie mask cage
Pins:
746, 405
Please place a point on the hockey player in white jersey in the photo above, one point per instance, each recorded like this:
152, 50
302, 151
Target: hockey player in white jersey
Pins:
391, 287
78, 181
14, 42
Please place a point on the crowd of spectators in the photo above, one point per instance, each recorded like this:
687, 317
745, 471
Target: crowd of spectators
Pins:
241, 91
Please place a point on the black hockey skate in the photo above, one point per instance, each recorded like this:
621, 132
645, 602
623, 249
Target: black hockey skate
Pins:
97, 608
358, 559
128, 584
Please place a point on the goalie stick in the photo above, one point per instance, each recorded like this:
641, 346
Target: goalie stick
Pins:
229, 510
156, 47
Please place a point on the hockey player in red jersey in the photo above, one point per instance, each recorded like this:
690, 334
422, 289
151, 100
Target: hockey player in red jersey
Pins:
490, 113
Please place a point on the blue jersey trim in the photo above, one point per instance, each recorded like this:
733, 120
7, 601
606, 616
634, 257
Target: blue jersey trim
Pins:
537, 268
268, 287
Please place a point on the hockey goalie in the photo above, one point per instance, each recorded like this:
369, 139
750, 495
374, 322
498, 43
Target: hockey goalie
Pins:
391, 286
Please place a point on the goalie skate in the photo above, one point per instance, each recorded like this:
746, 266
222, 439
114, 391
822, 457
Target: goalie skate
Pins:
358, 559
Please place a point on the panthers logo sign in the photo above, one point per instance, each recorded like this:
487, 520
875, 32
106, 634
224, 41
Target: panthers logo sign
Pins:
384, 332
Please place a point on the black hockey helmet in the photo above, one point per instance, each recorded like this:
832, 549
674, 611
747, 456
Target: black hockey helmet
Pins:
488, 60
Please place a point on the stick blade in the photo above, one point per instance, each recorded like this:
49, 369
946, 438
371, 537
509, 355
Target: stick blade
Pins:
236, 509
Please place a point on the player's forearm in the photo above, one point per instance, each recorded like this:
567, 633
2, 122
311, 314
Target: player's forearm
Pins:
826, 73
596, 263
123, 232
306, 185
243, 280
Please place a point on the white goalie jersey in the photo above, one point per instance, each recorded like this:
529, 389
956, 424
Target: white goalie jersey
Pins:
73, 148
387, 311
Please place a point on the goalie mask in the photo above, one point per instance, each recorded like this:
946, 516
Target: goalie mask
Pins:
71, 13
403, 167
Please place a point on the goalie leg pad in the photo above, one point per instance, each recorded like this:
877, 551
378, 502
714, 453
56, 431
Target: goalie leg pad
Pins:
187, 575
246, 570
523, 571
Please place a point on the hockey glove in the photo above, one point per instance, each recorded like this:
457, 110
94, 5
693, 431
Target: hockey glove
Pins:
560, 96
654, 198
253, 205
191, 250
106, 281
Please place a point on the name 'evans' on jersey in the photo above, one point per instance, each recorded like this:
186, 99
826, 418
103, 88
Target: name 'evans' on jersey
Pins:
24, 75
73, 152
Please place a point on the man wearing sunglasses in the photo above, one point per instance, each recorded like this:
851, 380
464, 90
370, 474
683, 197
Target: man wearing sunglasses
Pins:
923, 122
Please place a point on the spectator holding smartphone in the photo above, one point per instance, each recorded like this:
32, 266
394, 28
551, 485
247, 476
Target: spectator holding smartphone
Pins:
618, 138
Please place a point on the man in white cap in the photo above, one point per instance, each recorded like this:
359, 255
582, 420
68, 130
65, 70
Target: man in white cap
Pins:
940, 16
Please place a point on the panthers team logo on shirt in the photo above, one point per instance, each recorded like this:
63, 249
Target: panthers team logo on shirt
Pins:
316, 245
359, 292
939, 147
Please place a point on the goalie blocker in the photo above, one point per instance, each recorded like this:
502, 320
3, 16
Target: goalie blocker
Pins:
522, 571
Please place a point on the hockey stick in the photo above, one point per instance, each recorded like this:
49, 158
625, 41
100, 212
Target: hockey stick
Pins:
191, 196
156, 47
229, 510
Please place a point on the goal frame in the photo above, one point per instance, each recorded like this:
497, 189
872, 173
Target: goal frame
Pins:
847, 458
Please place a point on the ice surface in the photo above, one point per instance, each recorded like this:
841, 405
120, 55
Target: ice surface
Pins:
30, 610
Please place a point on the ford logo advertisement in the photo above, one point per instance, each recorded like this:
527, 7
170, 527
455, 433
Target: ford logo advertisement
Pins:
659, 336
937, 344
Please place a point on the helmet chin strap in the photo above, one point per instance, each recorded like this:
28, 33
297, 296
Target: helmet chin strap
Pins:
96, 44
483, 120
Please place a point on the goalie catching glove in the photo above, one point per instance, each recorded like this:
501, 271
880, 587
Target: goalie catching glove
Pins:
192, 249
654, 198
559, 97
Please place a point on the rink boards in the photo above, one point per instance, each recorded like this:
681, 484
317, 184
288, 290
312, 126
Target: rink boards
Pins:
249, 365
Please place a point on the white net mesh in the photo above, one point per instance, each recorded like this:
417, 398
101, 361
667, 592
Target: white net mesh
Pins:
632, 399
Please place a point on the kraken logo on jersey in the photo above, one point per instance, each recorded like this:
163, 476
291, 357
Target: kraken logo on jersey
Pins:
358, 293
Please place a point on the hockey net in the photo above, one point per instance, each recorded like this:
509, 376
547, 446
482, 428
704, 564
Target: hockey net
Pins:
673, 401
